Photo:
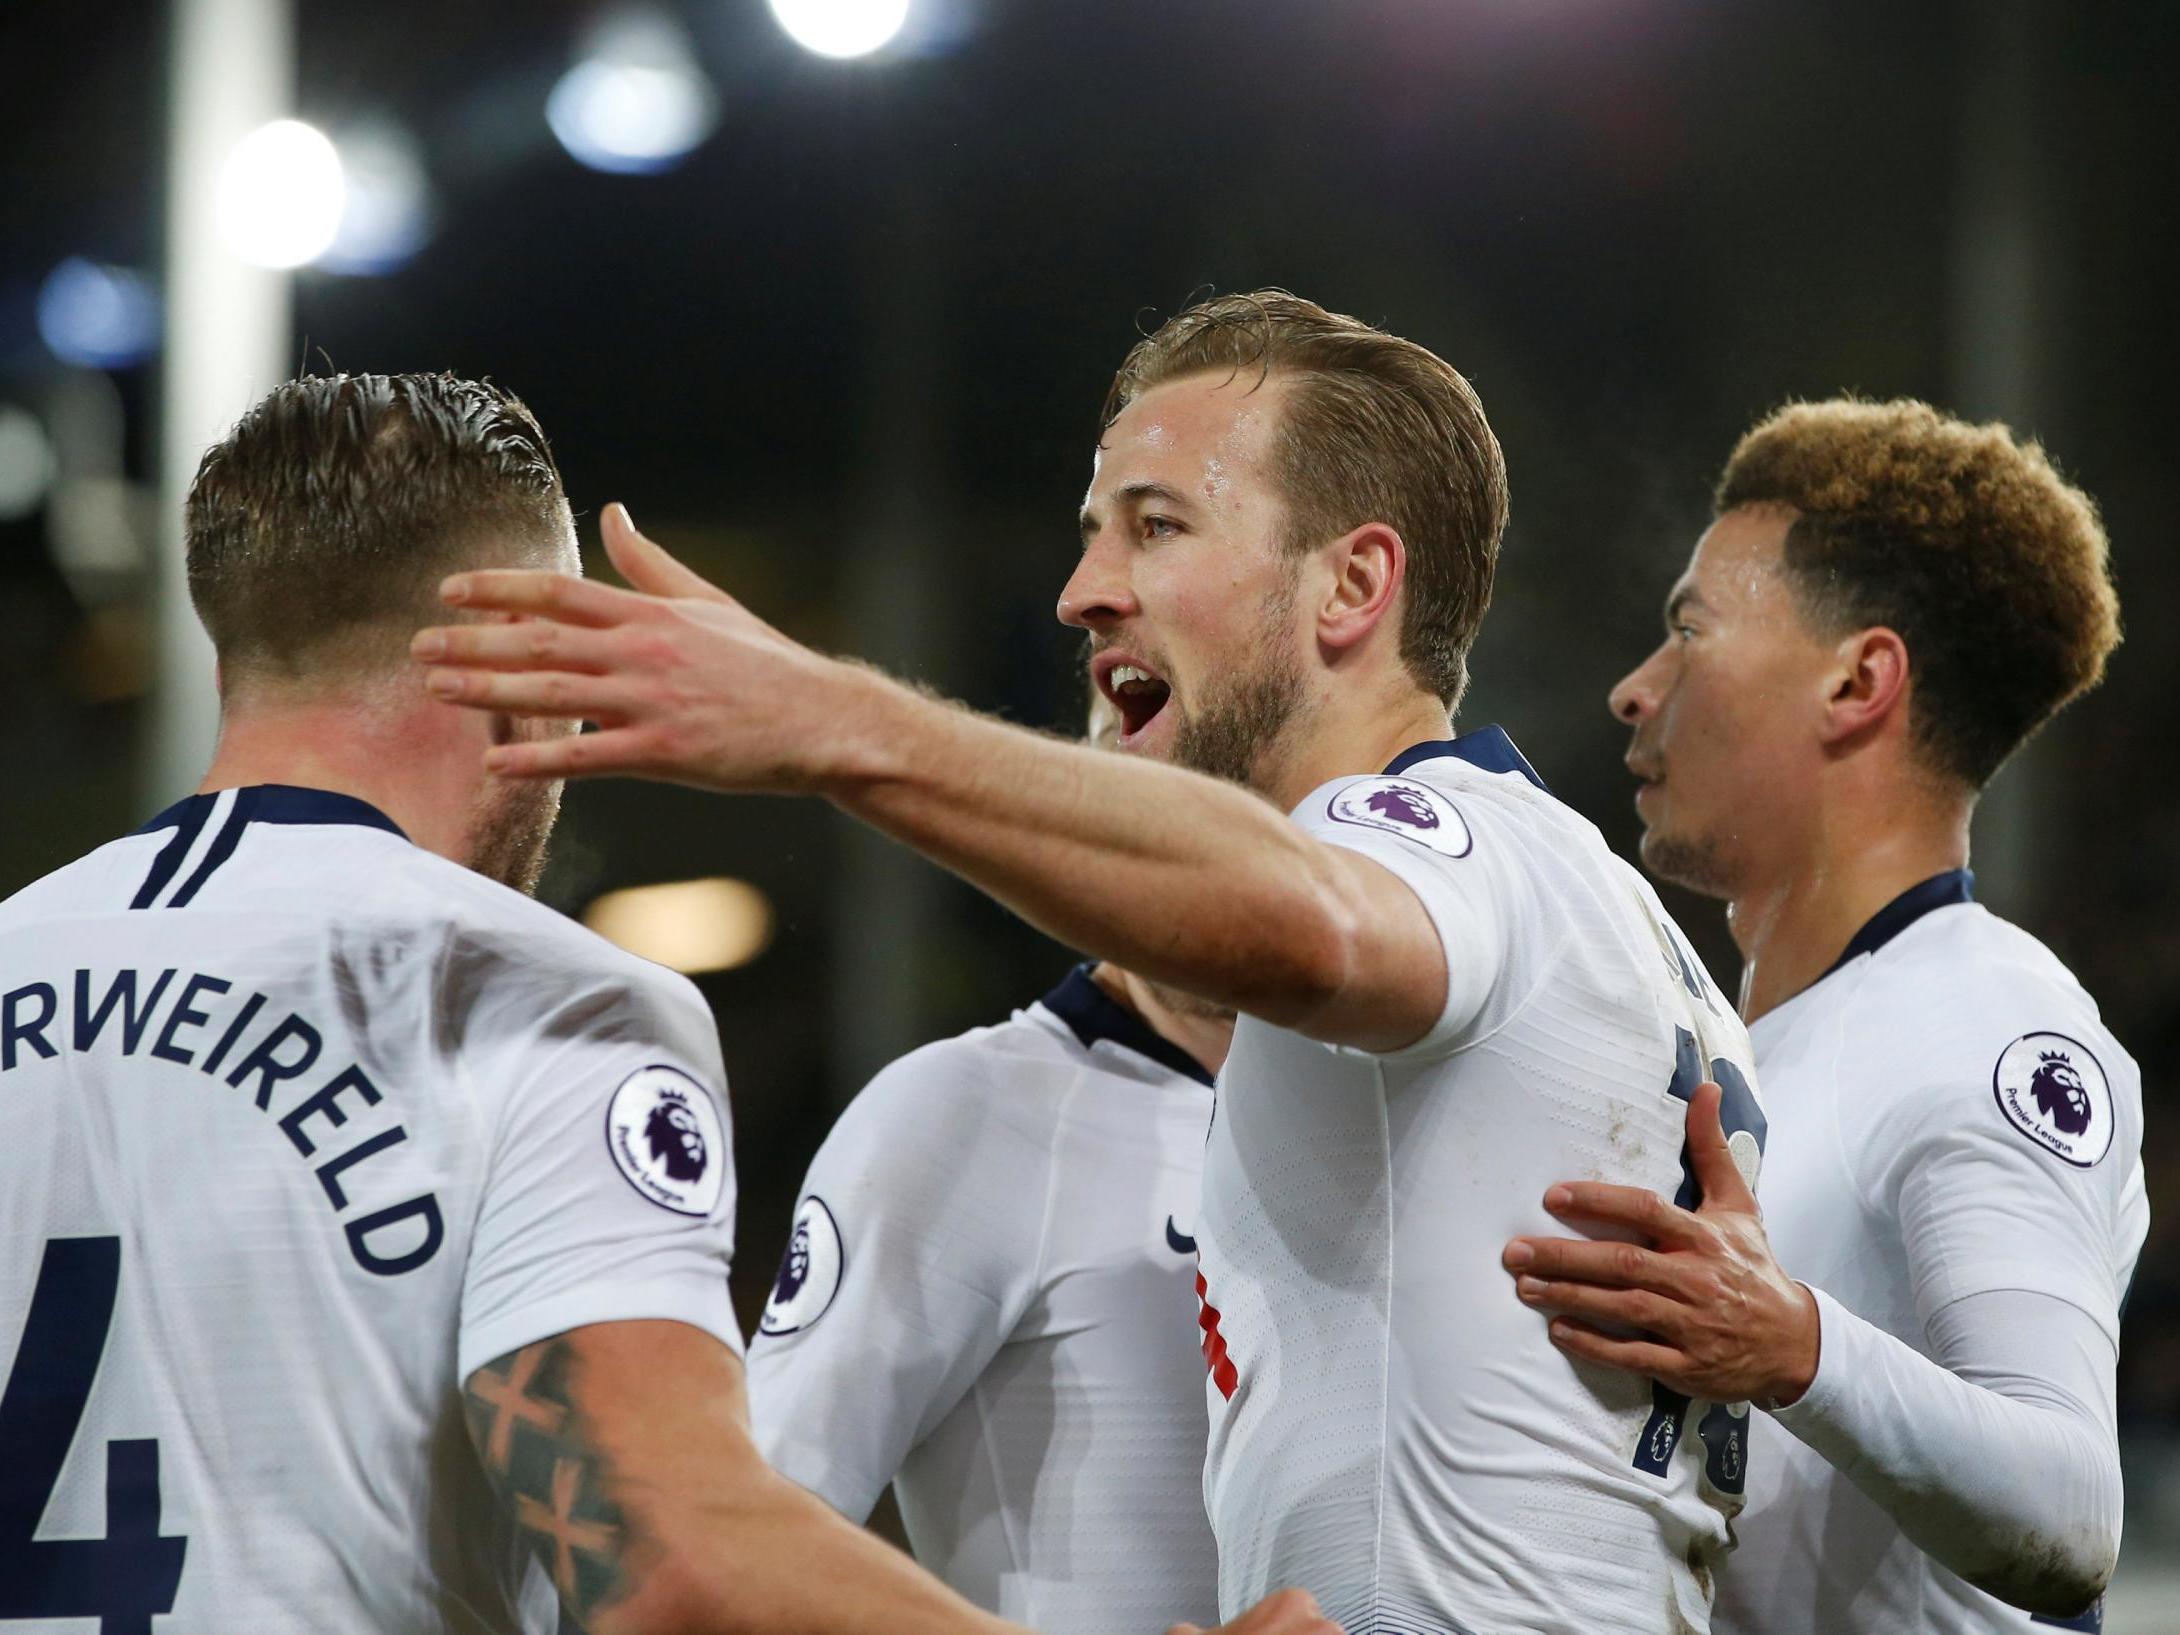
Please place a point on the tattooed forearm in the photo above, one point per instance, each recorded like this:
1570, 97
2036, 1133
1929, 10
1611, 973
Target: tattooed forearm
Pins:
547, 1470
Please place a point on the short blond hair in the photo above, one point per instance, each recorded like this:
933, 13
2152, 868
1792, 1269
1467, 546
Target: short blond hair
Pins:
1991, 567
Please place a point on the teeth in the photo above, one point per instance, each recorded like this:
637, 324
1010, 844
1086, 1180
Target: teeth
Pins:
1127, 674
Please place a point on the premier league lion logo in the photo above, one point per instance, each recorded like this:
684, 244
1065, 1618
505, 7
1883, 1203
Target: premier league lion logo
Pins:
795, 1269
676, 1141
2060, 1094
1403, 806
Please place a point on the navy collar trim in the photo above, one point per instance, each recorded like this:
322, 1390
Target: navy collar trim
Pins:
1093, 1014
281, 803
1939, 891
1487, 748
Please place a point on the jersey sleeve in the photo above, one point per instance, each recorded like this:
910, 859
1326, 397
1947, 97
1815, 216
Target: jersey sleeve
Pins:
1468, 886
915, 1253
609, 1188
2014, 1162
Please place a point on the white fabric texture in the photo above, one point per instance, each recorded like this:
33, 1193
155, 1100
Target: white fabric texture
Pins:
302, 1389
1898, 1187
1393, 1430
1011, 1342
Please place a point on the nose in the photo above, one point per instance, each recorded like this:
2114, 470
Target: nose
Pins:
1098, 592
1634, 697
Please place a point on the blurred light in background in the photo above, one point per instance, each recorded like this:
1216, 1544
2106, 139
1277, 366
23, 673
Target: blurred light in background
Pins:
280, 195
637, 102
841, 28
689, 926
386, 212
26, 462
96, 316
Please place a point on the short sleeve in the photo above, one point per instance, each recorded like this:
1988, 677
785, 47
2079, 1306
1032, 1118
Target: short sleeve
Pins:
914, 1255
2017, 1169
609, 1193
1466, 885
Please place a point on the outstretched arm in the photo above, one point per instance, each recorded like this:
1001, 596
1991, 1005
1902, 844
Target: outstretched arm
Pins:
1187, 880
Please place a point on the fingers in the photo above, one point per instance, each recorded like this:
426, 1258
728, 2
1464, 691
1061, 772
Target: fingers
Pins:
1645, 1357
1610, 1265
558, 596
584, 755
646, 565
555, 693
1630, 1308
527, 644
1711, 1158
1286, 1612
1635, 1207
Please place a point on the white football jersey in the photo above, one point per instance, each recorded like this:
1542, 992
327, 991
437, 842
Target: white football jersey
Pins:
989, 1301
1391, 1428
299, 1126
1950, 1119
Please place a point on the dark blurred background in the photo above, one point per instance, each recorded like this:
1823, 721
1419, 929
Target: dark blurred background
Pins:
846, 354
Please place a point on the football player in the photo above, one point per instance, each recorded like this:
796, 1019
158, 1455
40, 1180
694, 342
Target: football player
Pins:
1888, 604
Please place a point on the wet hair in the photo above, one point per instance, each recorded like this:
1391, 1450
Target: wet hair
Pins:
1962, 539
319, 528
1377, 429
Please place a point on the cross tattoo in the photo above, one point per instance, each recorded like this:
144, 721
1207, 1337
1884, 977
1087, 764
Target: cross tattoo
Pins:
567, 1532
512, 1405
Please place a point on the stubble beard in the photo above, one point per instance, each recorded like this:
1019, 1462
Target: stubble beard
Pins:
1698, 863
512, 832
1231, 734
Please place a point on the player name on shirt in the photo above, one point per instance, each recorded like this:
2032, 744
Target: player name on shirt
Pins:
115, 1011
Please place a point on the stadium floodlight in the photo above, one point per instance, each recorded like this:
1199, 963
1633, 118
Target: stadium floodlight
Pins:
386, 217
637, 103
26, 462
281, 194
841, 28
688, 926
97, 317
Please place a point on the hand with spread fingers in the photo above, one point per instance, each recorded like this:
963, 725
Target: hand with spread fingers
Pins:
681, 680
1701, 1305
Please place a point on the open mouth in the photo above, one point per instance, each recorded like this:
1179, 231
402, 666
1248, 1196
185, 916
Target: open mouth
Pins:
1136, 693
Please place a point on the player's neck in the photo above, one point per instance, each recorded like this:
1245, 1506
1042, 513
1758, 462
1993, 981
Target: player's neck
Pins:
1178, 1019
1360, 730
1794, 922
411, 761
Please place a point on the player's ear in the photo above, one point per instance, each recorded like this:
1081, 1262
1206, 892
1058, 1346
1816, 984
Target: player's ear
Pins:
1368, 565
1869, 684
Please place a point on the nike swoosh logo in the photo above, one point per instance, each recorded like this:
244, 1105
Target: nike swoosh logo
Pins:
1177, 1243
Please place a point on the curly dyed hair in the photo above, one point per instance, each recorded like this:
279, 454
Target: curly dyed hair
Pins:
319, 529
1963, 539
1378, 429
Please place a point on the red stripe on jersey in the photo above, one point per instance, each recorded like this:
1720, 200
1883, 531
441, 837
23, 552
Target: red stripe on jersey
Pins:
1221, 1366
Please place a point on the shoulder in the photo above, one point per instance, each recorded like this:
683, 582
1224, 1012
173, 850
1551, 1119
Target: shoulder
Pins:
1965, 1013
1004, 1086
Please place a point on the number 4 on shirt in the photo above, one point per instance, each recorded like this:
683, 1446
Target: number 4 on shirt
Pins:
1723, 1430
131, 1574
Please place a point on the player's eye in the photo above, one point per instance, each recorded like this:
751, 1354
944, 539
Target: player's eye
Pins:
1160, 527
1683, 632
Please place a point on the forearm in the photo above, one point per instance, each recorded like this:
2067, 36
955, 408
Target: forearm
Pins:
776, 1560
2020, 1497
1185, 879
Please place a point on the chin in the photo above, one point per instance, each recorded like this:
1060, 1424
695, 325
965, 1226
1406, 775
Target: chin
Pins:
1697, 863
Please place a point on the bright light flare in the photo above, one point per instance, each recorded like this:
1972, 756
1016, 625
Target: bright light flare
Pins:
387, 216
688, 926
841, 28
281, 194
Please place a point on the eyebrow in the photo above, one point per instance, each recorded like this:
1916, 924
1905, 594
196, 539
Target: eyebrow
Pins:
1135, 493
1684, 597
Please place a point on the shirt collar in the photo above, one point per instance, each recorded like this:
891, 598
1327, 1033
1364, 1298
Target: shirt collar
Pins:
1487, 748
284, 803
1939, 891
1093, 1014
